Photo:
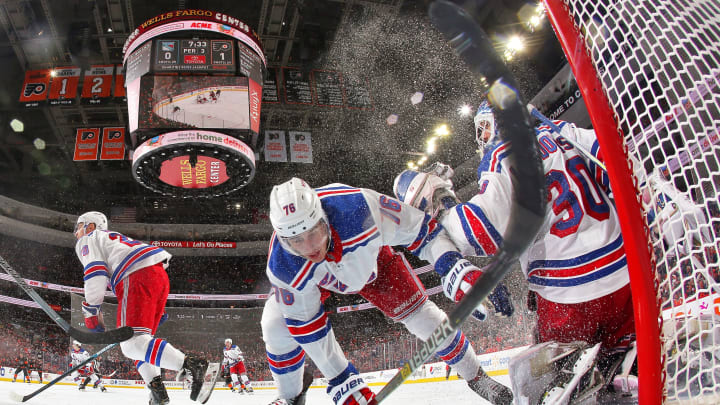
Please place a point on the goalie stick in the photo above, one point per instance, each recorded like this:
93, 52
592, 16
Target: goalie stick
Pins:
22, 398
111, 336
473, 46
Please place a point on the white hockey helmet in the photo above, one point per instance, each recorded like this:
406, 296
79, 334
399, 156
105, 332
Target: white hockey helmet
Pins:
484, 125
295, 208
93, 217
76, 343
424, 191
228, 340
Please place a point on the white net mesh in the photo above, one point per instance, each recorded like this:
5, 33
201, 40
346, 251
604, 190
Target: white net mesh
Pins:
659, 63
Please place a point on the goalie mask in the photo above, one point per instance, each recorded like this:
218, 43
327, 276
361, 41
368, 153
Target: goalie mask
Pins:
424, 191
299, 220
92, 217
484, 125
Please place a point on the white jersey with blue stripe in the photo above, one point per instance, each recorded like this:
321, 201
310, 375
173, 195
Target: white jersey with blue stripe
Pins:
109, 257
78, 356
232, 356
578, 254
362, 221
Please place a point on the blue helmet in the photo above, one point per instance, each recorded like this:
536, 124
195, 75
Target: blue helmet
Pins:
424, 191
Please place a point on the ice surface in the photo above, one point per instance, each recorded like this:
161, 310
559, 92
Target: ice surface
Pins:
453, 392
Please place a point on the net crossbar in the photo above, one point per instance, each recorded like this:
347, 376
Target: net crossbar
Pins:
649, 72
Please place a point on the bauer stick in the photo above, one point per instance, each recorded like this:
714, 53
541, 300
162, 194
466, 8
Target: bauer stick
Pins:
528, 207
20, 398
111, 336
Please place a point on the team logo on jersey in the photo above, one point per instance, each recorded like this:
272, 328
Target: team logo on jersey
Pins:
34, 88
167, 46
85, 250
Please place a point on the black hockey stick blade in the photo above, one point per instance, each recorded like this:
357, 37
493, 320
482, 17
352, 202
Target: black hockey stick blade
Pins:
118, 335
528, 207
22, 398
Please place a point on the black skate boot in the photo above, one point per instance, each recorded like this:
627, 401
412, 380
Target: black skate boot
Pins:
84, 383
197, 368
300, 399
158, 393
491, 390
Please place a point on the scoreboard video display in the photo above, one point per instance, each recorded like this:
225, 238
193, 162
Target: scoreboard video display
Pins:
197, 55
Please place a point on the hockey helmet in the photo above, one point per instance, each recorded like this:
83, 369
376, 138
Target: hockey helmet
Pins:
484, 125
93, 217
76, 343
295, 209
228, 340
424, 191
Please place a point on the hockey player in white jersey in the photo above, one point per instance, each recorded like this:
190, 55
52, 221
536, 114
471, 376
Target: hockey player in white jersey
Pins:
136, 273
576, 268
339, 238
234, 361
85, 374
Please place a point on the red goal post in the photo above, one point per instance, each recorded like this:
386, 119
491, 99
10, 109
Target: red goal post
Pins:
649, 74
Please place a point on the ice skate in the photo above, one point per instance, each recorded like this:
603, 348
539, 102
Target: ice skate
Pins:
197, 368
158, 393
84, 383
300, 399
491, 390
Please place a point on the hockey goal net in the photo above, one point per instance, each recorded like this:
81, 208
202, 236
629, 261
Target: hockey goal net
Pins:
649, 72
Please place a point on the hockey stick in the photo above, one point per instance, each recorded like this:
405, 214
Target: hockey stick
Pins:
20, 398
473, 46
545, 120
112, 336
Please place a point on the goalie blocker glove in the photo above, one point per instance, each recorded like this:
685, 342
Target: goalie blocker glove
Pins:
92, 317
460, 278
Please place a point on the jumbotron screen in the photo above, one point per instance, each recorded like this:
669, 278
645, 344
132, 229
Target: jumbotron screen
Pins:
194, 87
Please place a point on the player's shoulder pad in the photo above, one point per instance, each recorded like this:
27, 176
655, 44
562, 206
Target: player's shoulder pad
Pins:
285, 266
347, 209
495, 154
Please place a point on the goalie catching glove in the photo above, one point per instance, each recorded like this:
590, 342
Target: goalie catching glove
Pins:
93, 317
460, 279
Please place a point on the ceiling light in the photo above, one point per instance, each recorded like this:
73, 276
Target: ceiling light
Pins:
464, 110
17, 125
39, 144
417, 98
109, 29
516, 43
442, 130
53, 73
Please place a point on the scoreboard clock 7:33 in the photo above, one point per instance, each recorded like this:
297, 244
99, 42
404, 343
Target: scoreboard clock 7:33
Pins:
182, 55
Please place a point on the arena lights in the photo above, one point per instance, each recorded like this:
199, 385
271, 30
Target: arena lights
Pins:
464, 110
532, 16
17, 125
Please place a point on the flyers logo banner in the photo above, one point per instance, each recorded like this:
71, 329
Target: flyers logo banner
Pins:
34, 88
86, 143
113, 144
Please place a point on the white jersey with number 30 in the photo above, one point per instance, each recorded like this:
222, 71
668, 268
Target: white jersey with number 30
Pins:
578, 255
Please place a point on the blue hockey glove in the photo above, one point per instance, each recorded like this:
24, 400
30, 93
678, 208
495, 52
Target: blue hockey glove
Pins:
93, 317
501, 301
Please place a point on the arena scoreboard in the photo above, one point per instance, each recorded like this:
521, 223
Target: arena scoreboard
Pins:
194, 87
197, 55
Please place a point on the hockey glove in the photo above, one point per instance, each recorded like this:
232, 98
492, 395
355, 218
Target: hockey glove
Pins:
350, 389
501, 301
458, 281
93, 317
